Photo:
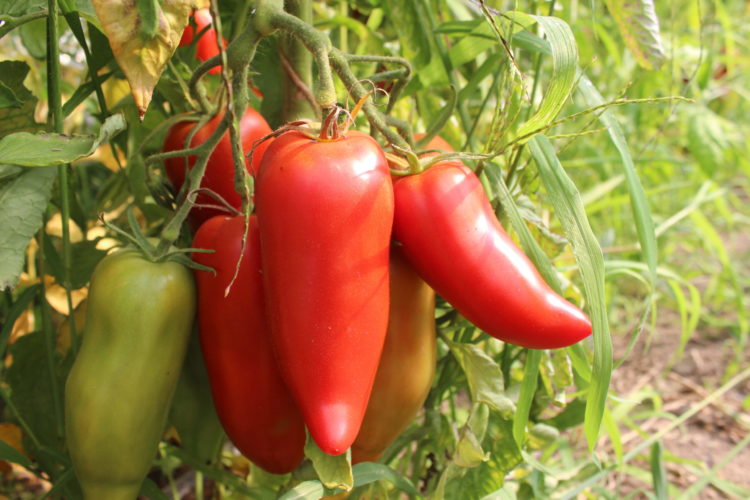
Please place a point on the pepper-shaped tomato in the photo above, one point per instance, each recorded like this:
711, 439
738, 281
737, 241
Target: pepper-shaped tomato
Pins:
206, 47
451, 236
219, 175
407, 365
325, 211
251, 399
119, 390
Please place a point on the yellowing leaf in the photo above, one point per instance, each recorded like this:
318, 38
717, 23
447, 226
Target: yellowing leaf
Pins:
140, 57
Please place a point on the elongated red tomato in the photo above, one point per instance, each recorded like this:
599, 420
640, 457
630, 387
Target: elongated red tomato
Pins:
407, 365
219, 176
251, 399
206, 47
325, 211
450, 234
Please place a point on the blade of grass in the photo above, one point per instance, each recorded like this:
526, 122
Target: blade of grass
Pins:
566, 200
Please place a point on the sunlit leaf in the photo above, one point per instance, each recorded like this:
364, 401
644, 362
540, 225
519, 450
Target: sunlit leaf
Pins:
333, 471
639, 204
484, 376
16, 8
469, 452
564, 52
42, 150
141, 56
23, 200
568, 206
306, 490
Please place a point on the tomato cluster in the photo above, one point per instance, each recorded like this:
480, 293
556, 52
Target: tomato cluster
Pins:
320, 309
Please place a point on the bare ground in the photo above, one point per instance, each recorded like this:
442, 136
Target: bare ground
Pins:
703, 441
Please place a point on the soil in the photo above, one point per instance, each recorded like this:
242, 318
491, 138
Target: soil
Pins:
704, 441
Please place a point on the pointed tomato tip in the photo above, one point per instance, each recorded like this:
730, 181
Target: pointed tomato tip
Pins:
334, 428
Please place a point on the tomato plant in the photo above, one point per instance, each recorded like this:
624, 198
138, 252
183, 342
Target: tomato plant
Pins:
342, 317
219, 176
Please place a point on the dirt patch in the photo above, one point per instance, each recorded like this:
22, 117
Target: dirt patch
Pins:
706, 440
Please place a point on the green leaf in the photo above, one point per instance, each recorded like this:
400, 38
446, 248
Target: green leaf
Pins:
17, 8
149, 11
369, 472
412, 30
42, 150
572, 416
529, 245
469, 452
542, 435
32, 393
266, 62
639, 204
81, 93
218, 474
23, 201
639, 27
150, 490
85, 258
566, 200
562, 80
472, 44
20, 304
34, 38
10, 454
503, 456
658, 471
306, 490
333, 471
8, 98
19, 116
526, 397
484, 376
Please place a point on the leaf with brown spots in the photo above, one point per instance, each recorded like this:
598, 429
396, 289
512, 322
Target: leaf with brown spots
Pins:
143, 40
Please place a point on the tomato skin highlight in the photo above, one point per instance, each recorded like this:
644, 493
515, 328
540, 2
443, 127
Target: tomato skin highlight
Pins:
118, 393
407, 365
451, 235
206, 47
325, 211
219, 175
252, 400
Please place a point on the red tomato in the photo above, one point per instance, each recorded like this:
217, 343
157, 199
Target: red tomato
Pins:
219, 175
251, 399
450, 234
325, 210
206, 47
407, 365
